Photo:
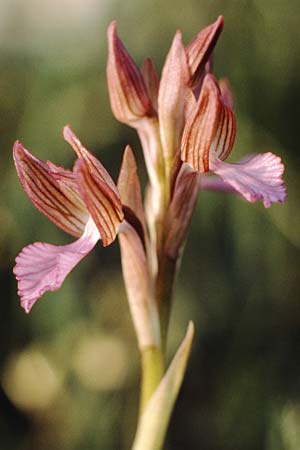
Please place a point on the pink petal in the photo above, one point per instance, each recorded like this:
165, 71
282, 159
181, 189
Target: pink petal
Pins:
42, 267
257, 177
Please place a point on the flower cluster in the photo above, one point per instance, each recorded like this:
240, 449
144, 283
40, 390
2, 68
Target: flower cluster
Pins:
187, 128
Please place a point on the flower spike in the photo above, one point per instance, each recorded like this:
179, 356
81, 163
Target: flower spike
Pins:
127, 91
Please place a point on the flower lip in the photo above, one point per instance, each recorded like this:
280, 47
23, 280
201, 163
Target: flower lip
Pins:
256, 177
42, 267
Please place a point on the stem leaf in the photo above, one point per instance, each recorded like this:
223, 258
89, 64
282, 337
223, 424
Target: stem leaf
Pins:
153, 423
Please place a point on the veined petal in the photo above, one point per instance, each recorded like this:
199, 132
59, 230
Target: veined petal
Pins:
42, 267
200, 48
102, 202
127, 91
151, 80
49, 191
171, 99
92, 162
67, 182
257, 177
190, 104
210, 131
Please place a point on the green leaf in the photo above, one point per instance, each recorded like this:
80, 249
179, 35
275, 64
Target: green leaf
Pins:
153, 423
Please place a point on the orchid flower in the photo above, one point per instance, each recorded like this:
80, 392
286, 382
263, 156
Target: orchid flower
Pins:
85, 203
187, 127
208, 139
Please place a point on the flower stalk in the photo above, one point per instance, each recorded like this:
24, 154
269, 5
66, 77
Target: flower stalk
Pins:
152, 365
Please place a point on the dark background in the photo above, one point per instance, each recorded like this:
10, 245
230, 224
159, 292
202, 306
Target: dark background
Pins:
69, 371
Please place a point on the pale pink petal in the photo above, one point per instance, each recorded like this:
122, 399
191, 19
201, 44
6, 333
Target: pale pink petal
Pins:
257, 177
42, 267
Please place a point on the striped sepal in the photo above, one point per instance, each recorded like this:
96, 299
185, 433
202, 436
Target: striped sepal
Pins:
49, 194
103, 204
127, 91
92, 162
200, 48
171, 99
210, 131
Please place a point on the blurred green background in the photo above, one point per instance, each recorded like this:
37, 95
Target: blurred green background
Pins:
69, 371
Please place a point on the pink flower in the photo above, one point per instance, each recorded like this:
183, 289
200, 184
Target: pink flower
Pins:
87, 204
84, 202
207, 140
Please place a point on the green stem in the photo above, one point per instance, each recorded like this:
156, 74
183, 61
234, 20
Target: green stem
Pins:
152, 360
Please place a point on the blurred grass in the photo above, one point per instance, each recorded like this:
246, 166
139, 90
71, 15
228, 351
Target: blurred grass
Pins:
240, 271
